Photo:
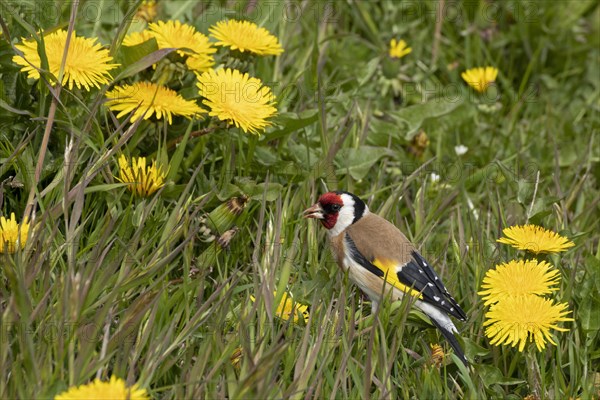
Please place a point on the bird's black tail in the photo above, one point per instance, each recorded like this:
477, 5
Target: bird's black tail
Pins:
453, 342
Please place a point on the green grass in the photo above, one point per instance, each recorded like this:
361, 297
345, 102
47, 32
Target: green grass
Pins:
109, 284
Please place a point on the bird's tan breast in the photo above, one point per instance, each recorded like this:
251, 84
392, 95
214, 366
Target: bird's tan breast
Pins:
337, 247
375, 237
367, 281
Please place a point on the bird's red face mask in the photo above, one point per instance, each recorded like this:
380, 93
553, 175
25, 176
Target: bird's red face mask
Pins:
326, 209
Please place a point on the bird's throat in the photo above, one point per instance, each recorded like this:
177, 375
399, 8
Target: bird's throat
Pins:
329, 220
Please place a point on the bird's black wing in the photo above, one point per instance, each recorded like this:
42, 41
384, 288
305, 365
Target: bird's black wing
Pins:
418, 274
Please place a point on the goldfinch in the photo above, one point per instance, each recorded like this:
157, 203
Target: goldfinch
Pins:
378, 257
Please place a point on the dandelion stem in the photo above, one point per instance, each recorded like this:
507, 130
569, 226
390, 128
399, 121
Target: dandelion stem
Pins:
535, 189
437, 36
533, 373
51, 114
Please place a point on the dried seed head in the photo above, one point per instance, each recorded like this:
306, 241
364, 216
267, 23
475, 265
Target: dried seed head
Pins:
237, 204
226, 237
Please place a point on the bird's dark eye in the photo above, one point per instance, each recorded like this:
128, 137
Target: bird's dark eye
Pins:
335, 207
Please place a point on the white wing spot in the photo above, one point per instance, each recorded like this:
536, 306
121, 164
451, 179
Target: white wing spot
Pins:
429, 284
420, 271
451, 308
436, 298
443, 302
436, 278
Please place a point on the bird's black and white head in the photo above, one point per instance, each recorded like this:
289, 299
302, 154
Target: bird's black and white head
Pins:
337, 211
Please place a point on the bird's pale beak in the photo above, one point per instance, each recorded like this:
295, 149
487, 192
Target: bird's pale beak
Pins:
315, 211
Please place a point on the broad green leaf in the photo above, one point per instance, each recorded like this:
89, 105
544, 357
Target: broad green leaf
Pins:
255, 192
412, 117
358, 162
473, 349
291, 122
380, 131
491, 375
372, 66
303, 155
589, 314
265, 156
525, 191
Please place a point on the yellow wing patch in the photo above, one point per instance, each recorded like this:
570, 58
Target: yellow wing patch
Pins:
389, 270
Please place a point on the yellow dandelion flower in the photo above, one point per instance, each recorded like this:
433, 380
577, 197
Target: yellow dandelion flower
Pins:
237, 98
174, 34
87, 63
142, 180
535, 239
199, 63
287, 309
114, 389
480, 78
515, 320
437, 355
147, 11
135, 38
519, 278
399, 49
146, 99
12, 235
245, 36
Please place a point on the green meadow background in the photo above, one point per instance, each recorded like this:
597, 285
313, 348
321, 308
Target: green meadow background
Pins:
111, 284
